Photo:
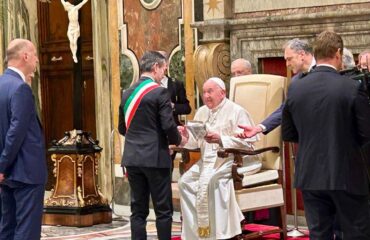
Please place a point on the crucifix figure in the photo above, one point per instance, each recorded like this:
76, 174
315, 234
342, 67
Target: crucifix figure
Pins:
73, 32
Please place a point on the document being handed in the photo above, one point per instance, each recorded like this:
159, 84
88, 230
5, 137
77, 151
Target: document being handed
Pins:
197, 129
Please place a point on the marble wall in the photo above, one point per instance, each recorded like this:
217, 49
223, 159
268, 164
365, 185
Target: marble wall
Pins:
150, 29
255, 31
18, 19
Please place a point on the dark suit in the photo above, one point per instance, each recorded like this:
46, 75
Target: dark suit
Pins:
178, 97
147, 159
274, 119
177, 93
271, 122
22, 160
329, 117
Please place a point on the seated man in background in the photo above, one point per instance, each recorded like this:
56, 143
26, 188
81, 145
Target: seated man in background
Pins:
347, 59
364, 59
240, 67
207, 197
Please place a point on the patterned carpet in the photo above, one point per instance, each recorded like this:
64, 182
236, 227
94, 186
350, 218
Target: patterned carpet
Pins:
121, 230
115, 230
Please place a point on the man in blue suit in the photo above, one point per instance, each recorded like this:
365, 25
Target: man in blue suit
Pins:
299, 58
23, 171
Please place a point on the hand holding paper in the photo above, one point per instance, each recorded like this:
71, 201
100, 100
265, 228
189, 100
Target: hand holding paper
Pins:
184, 135
197, 129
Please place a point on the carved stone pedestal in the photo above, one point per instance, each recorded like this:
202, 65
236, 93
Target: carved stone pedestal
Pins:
76, 199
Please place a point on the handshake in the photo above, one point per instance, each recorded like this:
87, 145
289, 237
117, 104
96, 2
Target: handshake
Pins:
184, 135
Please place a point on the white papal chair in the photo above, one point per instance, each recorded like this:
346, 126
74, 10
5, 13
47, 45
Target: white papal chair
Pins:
260, 95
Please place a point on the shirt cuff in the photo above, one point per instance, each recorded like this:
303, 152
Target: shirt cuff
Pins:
263, 127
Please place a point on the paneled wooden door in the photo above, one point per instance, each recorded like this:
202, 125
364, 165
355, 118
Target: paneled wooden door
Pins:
67, 88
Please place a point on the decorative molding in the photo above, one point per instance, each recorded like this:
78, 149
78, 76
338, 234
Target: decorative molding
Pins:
74, 188
256, 38
268, 5
217, 9
122, 27
283, 20
150, 4
261, 37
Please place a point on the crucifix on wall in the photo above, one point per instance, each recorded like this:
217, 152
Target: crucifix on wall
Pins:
73, 32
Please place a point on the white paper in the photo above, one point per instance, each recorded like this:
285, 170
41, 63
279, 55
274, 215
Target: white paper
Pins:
197, 129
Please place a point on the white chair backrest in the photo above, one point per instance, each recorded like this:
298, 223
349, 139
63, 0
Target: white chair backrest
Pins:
260, 95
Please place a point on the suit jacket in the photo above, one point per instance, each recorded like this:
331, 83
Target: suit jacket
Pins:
22, 145
178, 97
151, 130
328, 115
274, 119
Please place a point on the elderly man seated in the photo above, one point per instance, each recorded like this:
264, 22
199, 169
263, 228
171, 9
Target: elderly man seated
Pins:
207, 197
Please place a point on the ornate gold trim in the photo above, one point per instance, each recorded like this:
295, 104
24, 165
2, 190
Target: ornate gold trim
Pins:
93, 163
78, 197
204, 232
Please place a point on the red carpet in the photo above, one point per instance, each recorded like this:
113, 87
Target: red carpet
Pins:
258, 227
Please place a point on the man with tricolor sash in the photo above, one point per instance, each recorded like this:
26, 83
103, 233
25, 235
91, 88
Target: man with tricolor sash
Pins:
146, 121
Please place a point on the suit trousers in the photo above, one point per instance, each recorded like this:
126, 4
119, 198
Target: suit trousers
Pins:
352, 213
22, 211
0, 206
155, 182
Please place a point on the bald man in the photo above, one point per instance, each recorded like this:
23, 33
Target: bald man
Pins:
240, 67
364, 59
23, 171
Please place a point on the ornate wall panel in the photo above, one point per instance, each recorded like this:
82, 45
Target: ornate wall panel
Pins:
148, 25
18, 19
152, 29
256, 38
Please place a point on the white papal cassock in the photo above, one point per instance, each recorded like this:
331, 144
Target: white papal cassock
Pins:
208, 203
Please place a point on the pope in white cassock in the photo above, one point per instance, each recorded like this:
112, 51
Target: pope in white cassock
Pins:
207, 197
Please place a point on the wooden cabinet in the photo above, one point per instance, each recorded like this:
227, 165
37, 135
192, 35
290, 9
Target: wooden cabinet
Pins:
67, 88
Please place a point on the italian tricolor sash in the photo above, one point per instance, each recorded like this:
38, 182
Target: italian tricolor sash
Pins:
134, 99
